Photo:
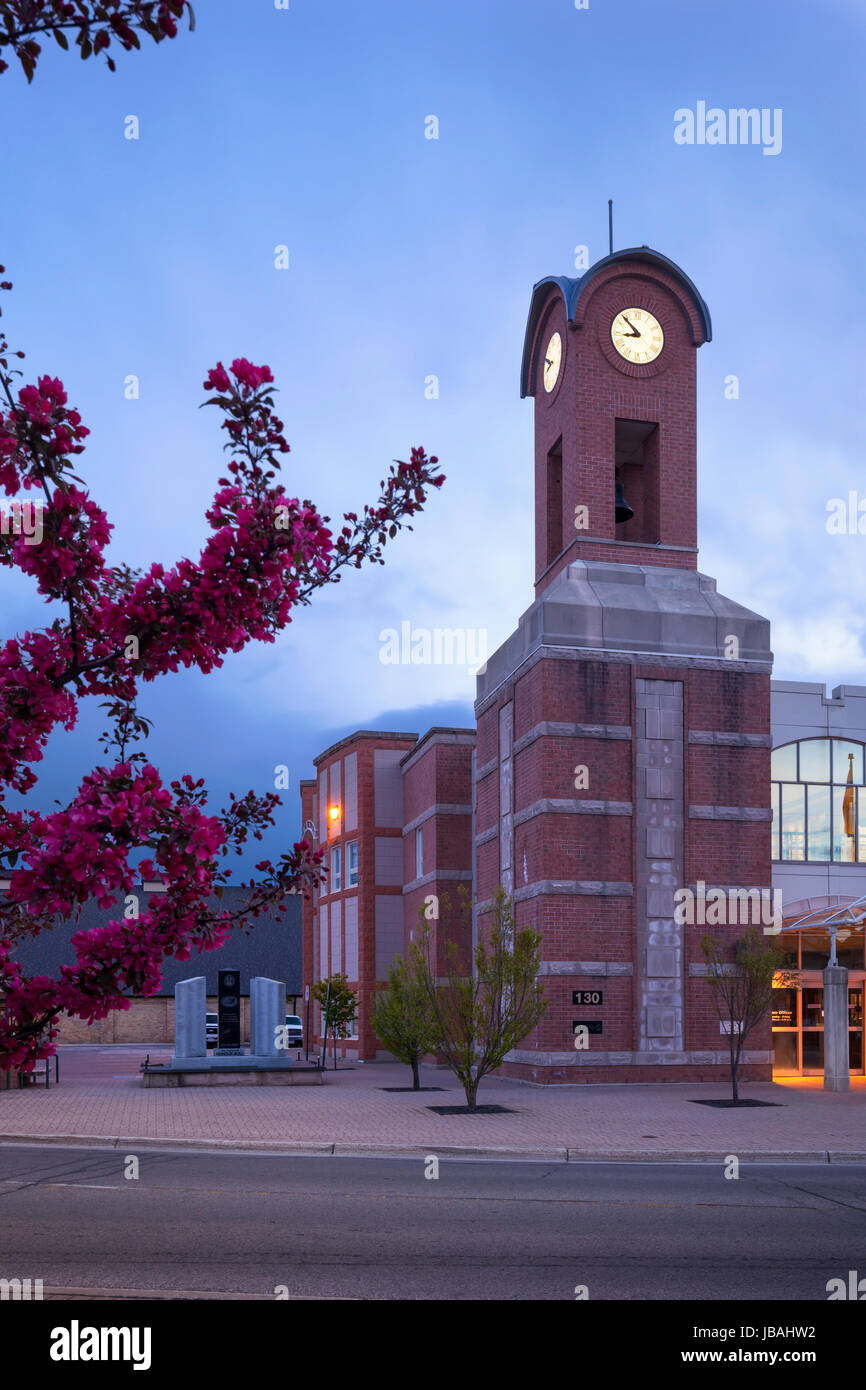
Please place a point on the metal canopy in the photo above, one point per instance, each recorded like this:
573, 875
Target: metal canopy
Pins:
840, 921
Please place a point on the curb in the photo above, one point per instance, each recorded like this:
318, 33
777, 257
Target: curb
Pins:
347, 1150
58, 1293
110, 1141
341, 1149
701, 1156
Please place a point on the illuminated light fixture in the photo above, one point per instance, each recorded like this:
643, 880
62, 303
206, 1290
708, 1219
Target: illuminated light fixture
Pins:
334, 812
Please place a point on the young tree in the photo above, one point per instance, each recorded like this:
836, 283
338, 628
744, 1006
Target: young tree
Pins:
403, 1017
480, 1016
341, 1005
741, 982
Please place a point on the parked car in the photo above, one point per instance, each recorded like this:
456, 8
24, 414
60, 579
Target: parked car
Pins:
296, 1031
211, 1028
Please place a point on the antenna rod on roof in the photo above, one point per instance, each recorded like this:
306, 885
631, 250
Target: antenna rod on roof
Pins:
610, 223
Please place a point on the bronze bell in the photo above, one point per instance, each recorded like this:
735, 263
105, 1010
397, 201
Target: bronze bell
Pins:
623, 511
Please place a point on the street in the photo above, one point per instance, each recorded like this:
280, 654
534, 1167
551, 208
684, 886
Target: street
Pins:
377, 1228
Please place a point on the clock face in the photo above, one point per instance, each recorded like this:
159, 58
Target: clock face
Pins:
637, 335
552, 362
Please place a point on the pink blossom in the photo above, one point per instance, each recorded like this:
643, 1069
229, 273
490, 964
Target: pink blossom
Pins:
266, 552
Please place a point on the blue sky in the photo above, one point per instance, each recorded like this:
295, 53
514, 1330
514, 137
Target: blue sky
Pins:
411, 257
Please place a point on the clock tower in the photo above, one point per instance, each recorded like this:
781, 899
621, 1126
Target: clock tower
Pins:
624, 727
610, 359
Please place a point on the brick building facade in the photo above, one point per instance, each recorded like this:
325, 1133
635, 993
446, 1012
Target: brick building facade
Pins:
395, 815
622, 742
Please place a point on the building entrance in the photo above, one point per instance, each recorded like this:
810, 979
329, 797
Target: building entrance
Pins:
798, 1027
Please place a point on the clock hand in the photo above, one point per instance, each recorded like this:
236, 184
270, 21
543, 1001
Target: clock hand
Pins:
634, 331
548, 361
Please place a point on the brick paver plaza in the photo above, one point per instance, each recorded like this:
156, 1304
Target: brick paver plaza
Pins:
100, 1098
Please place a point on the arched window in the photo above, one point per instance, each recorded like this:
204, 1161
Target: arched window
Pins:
815, 816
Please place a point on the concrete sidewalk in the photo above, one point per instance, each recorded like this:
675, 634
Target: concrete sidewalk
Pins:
100, 1101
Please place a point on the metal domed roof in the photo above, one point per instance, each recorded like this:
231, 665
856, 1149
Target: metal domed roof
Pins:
572, 290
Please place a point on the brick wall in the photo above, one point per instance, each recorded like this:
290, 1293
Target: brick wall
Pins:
366, 773
559, 845
145, 1021
437, 799
595, 388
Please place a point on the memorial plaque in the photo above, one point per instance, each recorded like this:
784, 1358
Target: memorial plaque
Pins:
190, 1007
229, 1008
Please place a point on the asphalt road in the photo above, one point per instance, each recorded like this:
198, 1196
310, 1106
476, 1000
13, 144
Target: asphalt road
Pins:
376, 1228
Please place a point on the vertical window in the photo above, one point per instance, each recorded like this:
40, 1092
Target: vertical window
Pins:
847, 756
555, 540
815, 760
636, 460
793, 821
843, 843
336, 883
783, 763
419, 852
818, 821
352, 865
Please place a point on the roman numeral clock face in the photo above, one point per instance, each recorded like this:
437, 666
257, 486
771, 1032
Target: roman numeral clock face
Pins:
637, 335
552, 362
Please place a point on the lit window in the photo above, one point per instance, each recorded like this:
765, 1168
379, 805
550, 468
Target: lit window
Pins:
336, 882
818, 814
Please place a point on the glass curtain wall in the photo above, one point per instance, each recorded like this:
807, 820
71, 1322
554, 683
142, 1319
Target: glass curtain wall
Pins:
818, 814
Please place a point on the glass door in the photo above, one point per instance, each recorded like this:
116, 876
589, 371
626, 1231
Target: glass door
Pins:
798, 1029
855, 1026
812, 1013
786, 1032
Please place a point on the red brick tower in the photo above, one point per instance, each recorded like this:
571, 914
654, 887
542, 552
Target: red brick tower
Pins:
624, 728
394, 816
354, 925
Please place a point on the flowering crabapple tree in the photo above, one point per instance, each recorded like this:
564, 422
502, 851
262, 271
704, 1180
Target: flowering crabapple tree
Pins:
93, 24
113, 628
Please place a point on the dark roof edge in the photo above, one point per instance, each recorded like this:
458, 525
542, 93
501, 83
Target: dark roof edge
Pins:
362, 733
571, 290
437, 729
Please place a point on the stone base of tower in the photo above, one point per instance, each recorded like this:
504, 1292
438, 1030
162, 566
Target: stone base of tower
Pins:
622, 768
